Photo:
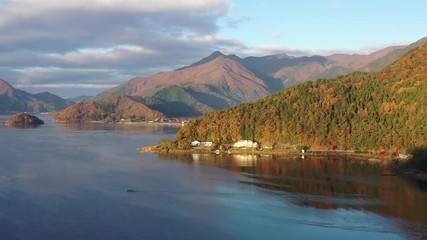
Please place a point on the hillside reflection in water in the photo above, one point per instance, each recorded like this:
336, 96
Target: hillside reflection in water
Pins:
147, 128
325, 183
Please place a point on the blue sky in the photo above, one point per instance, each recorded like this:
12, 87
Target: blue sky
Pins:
75, 47
316, 25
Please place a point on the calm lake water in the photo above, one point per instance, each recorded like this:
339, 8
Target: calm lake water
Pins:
70, 182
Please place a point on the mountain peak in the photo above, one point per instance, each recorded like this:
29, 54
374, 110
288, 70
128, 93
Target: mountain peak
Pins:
405, 79
47, 95
5, 88
216, 54
282, 56
3, 83
207, 59
16, 100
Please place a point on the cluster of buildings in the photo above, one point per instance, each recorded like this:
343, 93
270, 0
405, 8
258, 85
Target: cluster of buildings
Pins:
239, 144
245, 144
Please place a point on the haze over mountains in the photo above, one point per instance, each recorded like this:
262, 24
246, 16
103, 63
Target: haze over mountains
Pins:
15, 100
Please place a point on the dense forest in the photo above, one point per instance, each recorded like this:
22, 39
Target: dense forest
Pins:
109, 109
367, 111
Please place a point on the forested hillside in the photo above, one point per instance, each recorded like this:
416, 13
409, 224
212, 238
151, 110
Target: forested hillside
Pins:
213, 83
383, 110
110, 109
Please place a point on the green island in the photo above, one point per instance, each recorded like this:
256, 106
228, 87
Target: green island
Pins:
374, 115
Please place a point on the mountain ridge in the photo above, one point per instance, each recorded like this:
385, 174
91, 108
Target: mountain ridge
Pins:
219, 81
15, 100
331, 113
294, 70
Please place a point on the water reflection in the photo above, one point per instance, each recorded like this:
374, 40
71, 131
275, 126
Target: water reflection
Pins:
144, 128
326, 183
69, 182
23, 126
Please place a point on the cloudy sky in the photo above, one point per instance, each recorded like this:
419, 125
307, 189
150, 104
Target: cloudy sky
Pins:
76, 47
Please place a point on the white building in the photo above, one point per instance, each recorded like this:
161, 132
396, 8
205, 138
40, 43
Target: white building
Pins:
195, 144
201, 144
245, 144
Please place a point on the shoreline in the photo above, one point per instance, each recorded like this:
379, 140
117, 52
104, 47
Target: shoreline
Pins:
320, 153
120, 123
395, 166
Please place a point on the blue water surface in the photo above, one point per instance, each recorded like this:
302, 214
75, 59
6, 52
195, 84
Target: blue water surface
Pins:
71, 181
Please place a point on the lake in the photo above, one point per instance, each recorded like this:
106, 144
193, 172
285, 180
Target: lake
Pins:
60, 181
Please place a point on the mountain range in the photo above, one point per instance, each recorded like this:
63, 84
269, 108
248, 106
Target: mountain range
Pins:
294, 70
219, 81
365, 111
15, 100
216, 82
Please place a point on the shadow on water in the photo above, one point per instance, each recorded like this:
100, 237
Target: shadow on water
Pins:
325, 183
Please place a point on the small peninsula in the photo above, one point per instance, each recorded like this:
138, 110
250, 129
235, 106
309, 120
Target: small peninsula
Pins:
377, 115
23, 120
383, 111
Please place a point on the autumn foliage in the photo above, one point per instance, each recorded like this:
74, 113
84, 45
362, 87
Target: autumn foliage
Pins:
109, 109
366, 111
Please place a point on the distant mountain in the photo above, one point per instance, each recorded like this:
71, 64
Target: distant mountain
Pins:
53, 102
391, 56
109, 109
365, 111
213, 83
15, 100
82, 98
294, 70
219, 81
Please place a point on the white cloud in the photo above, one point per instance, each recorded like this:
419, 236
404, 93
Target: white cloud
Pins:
268, 49
58, 42
88, 43
31, 8
213, 40
100, 55
273, 49
53, 75
66, 85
